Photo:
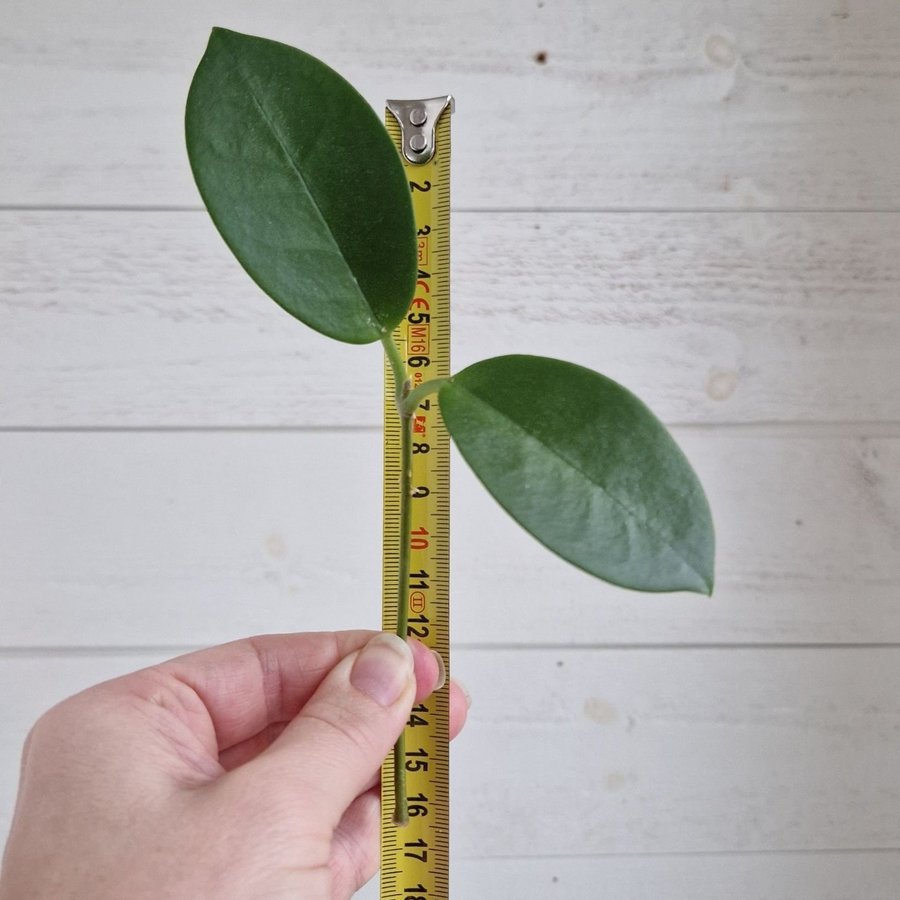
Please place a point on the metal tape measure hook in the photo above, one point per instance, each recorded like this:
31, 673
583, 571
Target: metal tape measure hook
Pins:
417, 120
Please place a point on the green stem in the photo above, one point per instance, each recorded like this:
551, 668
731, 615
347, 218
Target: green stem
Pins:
401, 393
398, 367
405, 524
416, 395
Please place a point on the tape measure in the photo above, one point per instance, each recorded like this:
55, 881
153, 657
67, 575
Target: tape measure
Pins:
415, 858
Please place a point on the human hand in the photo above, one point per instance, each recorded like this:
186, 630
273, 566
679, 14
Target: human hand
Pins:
248, 770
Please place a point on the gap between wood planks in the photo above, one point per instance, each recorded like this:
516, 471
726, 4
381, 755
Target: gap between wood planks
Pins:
492, 210
883, 429
97, 650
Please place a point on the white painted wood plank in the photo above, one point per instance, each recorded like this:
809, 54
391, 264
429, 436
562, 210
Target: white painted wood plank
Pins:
575, 753
816, 876
791, 103
681, 751
766, 876
145, 319
183, 538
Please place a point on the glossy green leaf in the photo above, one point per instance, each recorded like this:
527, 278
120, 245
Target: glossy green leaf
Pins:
304, 183
584, 466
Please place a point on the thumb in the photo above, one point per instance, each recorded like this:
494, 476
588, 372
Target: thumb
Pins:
328, 754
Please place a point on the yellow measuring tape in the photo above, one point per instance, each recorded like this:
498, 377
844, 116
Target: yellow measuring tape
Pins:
415, 858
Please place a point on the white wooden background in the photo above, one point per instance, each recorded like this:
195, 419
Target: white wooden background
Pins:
701, 199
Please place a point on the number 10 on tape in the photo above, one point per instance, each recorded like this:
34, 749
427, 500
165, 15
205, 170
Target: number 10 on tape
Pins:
415, 857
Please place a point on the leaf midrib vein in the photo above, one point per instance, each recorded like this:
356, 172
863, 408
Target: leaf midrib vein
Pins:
602, 488
300, 177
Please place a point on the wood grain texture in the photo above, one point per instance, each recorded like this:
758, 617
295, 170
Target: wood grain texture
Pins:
632, 751
184, 538
122, 319
786, 104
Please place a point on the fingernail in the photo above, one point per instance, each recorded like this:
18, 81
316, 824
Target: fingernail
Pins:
442, 670
383, 669
466, 693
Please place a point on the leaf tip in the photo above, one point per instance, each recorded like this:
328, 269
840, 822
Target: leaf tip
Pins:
704, 584
217, 33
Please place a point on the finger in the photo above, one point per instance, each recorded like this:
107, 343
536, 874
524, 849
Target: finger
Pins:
328, 754
430, 671
243, 752
251, 748
430, 675
250, 684
356, 843
459, 708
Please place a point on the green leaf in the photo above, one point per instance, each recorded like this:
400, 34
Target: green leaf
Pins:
585, 467
304, 183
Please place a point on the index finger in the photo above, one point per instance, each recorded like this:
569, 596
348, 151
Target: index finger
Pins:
249, 685
255, 682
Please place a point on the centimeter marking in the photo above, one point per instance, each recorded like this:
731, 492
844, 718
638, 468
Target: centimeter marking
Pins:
415, 859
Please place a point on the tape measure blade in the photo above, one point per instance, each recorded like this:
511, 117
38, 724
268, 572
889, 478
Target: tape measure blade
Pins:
415, 858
